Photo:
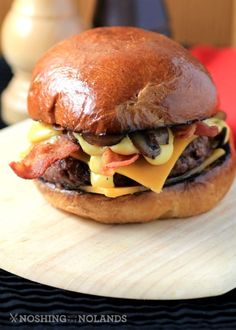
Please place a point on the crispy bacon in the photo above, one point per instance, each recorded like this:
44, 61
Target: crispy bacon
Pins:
42, 155
185, 131
112, 161
203, 129
199, 128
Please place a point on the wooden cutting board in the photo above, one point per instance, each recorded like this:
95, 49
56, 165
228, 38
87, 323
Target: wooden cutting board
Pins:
168, 259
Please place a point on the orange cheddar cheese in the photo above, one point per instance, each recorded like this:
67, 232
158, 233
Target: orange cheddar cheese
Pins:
154, 176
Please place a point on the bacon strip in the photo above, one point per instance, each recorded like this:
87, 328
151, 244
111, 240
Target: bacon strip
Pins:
185, 131
203, 129
42, 155
111, 161
199, 128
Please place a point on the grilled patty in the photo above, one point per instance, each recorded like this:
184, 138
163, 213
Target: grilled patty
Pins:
71, 173
193, 155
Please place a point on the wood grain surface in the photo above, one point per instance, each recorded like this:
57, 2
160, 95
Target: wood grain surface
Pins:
168, 259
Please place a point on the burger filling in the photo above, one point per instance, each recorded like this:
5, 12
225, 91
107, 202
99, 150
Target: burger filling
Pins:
116, 165
71, 173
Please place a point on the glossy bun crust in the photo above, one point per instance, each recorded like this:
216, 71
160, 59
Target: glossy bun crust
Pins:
178, 201
119, 79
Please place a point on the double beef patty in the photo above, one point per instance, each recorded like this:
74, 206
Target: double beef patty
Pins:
71, 173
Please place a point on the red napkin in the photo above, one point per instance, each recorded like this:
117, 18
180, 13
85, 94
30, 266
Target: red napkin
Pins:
221, 63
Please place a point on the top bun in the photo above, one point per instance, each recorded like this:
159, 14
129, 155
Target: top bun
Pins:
119, 79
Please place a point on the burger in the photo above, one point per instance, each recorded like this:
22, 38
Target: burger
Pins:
127, 129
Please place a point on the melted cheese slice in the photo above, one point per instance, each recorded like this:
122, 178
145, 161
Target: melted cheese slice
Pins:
39, 132
117, 192
124, 147
154, 176
101, 181
88, 148
113, 192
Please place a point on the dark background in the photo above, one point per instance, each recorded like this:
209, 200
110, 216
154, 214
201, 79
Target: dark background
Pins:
21, 296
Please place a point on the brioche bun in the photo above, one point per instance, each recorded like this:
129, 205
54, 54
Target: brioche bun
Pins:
119, 79
182, 200
116, 80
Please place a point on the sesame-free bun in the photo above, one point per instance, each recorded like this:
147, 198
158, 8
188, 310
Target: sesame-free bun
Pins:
119, 79
178, 201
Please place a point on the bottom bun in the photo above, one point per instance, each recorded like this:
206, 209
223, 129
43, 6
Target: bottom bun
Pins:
181, 200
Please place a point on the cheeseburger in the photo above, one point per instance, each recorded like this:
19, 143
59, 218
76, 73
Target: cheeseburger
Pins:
127, 129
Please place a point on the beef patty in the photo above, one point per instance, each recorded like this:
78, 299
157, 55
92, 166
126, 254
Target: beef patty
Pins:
193, 155
71, 173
